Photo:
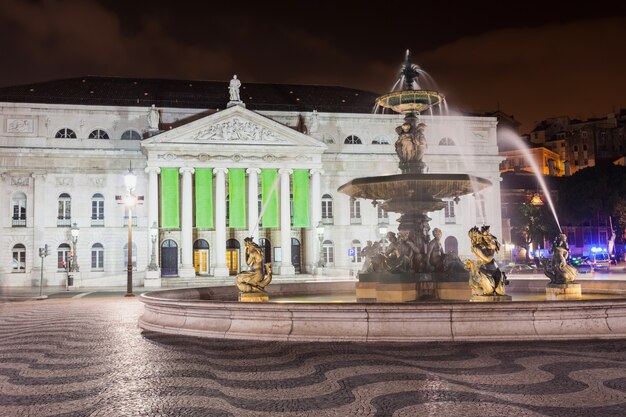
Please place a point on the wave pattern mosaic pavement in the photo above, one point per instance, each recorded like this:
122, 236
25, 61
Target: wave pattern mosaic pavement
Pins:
88, 358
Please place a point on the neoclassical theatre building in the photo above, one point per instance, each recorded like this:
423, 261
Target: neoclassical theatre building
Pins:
211, 171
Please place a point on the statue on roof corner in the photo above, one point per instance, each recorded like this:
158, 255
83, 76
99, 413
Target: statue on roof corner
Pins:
233, 89
153, 118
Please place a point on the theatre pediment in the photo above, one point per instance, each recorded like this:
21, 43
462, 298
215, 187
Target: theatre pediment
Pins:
233, 127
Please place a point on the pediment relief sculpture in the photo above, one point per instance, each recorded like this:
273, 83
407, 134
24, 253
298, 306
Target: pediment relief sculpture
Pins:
237, 130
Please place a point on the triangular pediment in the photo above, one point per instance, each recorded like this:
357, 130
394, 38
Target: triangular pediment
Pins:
235, 126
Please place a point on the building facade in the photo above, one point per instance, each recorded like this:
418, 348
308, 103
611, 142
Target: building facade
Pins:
210, 175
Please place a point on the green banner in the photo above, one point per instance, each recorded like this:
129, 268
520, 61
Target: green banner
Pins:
204, 198
269, 200
169, 198
300, 198
237, 198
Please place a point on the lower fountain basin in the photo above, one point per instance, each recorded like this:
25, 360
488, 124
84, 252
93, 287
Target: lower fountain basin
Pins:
213, 312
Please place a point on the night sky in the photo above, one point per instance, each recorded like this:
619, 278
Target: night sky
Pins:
532, 59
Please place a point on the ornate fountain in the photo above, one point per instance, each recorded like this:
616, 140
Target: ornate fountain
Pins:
406, 270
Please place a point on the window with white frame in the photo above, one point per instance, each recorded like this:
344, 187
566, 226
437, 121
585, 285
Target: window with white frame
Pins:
356, 247
19, 258
380, 140
98, 134
63, 254
97, 210
64, 210
383, 216
19, 210
450, 216
65, 133
134, 255
355, 211
328, 252
352, 140
131, 135
327, 209
97, 256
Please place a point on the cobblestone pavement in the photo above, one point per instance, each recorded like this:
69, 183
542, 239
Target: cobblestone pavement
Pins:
86, 357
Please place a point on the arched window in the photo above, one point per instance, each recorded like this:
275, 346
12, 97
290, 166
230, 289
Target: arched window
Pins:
63, 253
446, 142
98, 134
134, 255
451, 245
380, 140
19, 258
356, 250
352, 140
131, 135
19, 210
328, 252
97, 257
65, 133
97, 210
355, 211
327, 209
201, 244
64, 212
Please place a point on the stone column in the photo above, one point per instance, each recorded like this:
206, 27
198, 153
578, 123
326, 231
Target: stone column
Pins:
153, 278
286, 267
220, 223
253, 202
315, 202
186, 229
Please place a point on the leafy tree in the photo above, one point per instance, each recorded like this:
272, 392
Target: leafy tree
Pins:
532, 224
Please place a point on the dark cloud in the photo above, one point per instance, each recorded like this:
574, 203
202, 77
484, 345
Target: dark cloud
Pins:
534, 60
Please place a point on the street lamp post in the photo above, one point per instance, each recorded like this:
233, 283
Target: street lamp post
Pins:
320, 235
75, 231
130, 200
43, 252
154, 232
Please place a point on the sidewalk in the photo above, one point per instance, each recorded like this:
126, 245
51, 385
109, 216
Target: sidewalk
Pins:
29, 293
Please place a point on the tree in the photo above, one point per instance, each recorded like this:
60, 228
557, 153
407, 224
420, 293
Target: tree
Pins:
532, 224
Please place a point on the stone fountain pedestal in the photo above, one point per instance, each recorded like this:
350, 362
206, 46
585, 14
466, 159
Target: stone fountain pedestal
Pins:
563, 292
409, 286
254, 297
490, 298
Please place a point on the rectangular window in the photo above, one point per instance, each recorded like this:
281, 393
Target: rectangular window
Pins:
19, 260
97, 209
62, 257
97, 259
587, 237
329, 256
327, 209
450, 217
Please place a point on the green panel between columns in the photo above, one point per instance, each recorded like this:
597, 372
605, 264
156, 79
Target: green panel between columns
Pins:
237, 198
204, 198
169, 198
300, 198
269, 197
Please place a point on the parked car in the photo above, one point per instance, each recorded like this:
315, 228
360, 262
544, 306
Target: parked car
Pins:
600, 261
581, 263
519, 269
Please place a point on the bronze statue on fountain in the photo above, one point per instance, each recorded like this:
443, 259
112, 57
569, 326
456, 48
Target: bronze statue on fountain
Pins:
487, 281
252, 283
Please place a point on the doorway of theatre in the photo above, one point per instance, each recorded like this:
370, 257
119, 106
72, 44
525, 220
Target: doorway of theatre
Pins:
232, 256
169, 258
296, 259
201, 257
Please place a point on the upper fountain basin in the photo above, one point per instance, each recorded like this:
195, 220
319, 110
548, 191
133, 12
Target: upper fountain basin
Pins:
410, 101
414, 187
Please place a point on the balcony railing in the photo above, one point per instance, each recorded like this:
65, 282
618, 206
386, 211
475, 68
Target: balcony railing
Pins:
327, 220
97, 222
450, 219
355, 220
62, 222
133, 219
19, 222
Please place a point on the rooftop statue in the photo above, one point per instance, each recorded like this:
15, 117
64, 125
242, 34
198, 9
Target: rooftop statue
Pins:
233, 89
485, 276
253, 280
153, 118
557, 268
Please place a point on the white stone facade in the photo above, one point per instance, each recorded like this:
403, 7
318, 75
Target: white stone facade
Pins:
36, 164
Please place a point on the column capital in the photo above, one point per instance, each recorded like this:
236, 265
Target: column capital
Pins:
253, 171
285, 171
156, 170
220, 171
314, 171
184, 170
36, 175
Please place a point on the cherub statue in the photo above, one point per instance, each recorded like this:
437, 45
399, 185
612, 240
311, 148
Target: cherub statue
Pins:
434, 252
557, 268
254, 280
485, 276
405, 144
420, 142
